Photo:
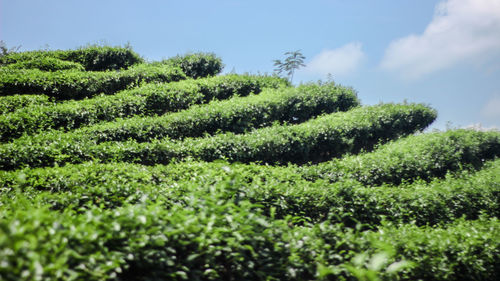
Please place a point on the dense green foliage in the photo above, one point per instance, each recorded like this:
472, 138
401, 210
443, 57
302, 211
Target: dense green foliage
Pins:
45, 64
216, 237
148, 99
10, 104
238, 114
120, 182
322, 138
197, 65
278, 188
73, 84
424, 156
92, 58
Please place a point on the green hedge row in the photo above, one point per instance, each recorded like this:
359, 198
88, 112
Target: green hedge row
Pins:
45, 64
238, 115
80, 84
211, 238
149, 99
464, 250
423, 156
319, 139
197, 65
10, 104
93, 58
278, 190
350, 202
96, 58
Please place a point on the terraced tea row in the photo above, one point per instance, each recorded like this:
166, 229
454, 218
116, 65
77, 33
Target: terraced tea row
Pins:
45, 64
278, 190
9, 104
63, 85
213, 238
74, 84
465, 150
149, 99
92, 58
239, 114
319, 139
423, 156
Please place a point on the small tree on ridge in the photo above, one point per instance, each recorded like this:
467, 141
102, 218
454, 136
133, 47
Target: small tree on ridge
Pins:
292, 62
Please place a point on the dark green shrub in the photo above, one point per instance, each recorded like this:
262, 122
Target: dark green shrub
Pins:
197, 65
92, 58
148, 99
78, 85
184, 94
216, 238
278, 190
238, 115
46, 64
423, 156
351, 203
211, 240
10, 104
319, 139
464, 250
100, 58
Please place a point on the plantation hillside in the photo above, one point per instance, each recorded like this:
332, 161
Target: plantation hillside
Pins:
114, 168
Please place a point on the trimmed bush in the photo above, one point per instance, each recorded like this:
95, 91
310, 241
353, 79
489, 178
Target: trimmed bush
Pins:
463, 250
197, 65
45, 64
184, 94
238, 115
278, 190
350, 202
78, 85
318, 139
93, 58
149, 99
212, 238
423, 156
10, 104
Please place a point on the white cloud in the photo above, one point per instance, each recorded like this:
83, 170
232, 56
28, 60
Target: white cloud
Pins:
491, 109
460, 31
340, 61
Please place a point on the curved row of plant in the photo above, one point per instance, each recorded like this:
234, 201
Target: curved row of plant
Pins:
238, 115
278, 190
71, 84
9, 104
424, 156
45, 64
92, 58
196, 65
101, 58
464, 150
212, 238
148, 99
318, 139
74, 84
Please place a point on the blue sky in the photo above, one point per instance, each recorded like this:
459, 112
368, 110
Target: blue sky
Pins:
442, 53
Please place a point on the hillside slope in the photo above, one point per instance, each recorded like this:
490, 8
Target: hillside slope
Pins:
112, 168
